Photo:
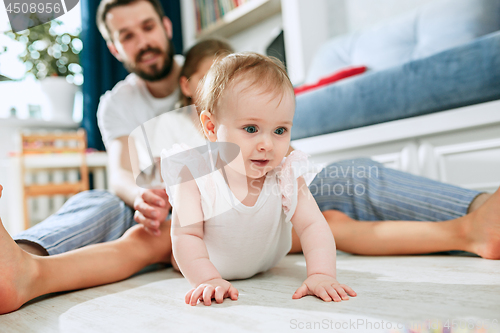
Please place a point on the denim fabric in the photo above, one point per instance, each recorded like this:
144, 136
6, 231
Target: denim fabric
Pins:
380, 194
89, 217
465, 75
366, 190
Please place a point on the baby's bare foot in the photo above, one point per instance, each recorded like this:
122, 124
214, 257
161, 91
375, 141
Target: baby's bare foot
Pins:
18, 270
483, 228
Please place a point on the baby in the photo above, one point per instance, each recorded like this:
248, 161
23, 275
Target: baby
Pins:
234, 209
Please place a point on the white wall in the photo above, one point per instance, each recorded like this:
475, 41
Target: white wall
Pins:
345, 16
338, 20
362, 14
4, 181
305, 24
258, 37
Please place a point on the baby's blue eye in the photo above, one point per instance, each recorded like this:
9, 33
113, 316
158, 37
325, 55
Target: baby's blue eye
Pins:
280, 131
250, 129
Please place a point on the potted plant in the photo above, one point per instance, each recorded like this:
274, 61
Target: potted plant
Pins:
52, 57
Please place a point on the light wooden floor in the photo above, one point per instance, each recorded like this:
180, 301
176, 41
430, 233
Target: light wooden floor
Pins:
425, 291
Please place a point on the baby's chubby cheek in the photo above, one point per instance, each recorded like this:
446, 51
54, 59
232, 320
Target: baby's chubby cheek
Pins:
227, 152
222, 134
225, 134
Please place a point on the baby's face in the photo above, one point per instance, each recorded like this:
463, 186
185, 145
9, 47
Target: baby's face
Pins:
259, 123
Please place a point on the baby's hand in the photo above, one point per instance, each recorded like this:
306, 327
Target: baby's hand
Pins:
325, 287
216, 288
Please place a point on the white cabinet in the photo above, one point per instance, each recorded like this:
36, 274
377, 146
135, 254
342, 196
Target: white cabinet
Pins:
405, 159
469, 158
460, 147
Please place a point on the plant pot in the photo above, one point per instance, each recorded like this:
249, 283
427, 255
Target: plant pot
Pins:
60, 98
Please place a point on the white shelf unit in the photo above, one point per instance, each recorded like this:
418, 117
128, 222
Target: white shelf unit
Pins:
241, 18
245, 19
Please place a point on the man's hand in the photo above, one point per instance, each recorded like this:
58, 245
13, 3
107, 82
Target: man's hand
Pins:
325, 287
216, 288
151, 209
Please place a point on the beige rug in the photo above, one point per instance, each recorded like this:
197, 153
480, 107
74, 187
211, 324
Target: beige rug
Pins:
432, 293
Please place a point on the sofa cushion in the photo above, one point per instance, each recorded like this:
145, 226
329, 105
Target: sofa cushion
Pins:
433, 28
457, 77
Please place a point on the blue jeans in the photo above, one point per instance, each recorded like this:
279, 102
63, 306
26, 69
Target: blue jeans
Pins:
88, 217
361, 188
366, 190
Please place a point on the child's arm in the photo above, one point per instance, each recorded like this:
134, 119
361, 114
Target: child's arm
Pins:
190, 251
318, 246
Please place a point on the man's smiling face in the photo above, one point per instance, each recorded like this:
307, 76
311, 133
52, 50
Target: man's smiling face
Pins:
141, 40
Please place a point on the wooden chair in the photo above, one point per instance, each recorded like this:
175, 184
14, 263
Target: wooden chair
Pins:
53, 144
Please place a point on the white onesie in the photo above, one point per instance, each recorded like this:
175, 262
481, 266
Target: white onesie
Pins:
241, 240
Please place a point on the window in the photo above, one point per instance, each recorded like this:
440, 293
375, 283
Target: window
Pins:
53, 50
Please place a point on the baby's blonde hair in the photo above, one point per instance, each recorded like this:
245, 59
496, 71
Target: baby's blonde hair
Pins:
267, 73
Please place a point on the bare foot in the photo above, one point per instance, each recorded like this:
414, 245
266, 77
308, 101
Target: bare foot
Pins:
483, 228
18, 270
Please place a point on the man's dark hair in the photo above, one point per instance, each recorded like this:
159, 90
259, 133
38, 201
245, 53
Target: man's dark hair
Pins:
106, 5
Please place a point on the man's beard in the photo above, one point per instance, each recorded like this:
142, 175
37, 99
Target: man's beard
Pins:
155, 74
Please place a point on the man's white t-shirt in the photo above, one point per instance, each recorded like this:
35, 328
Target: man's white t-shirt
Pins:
129, 105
